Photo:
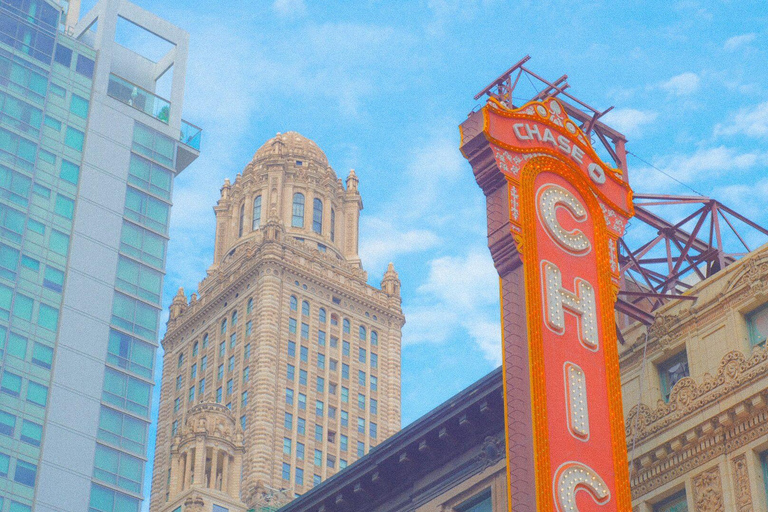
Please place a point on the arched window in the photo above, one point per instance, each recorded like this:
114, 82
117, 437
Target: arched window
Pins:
317, 216
181, 359
205, 341
242, 220
363, 333
256, 213
346, 326
223, 325
294, 303
249, 308
305, 308
298, 210
321, 316
333, 224
194, 349
374, 338
234, 318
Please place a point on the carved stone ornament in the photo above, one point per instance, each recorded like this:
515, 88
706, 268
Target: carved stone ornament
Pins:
491, 451
741, 488
661, 329
708, 491
194, 504
688, 396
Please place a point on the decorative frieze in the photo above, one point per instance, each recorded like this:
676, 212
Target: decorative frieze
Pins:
708, 491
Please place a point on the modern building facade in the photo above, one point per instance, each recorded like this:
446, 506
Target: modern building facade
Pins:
88, 154
285, 333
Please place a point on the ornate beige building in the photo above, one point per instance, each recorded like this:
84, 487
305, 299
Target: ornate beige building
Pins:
695, 396
286, 367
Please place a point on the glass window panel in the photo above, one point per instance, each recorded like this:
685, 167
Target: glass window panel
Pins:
143, 245
69, 172
47, 317
7, 423
64, 206
63, 55
84, 66
31, 433
42, 355
78, 106
74, 138
37, 394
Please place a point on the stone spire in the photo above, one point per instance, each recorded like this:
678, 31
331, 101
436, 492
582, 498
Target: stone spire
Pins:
178, 306
390, 284
352, 181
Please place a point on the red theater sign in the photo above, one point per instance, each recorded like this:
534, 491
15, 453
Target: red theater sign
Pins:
555, 213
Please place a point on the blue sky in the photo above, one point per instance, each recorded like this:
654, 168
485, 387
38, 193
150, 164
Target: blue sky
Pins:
382, 86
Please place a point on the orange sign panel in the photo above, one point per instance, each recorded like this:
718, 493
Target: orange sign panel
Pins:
566, 211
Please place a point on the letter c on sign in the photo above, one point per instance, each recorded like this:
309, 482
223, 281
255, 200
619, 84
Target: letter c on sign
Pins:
572, 477
552, 197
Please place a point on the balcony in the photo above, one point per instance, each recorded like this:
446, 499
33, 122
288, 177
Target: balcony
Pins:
140, 99
190, 135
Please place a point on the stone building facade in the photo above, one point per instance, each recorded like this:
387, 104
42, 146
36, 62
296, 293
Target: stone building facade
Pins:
696, 414
695, 396
284, 333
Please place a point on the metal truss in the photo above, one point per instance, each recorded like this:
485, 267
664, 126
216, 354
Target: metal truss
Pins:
660, 259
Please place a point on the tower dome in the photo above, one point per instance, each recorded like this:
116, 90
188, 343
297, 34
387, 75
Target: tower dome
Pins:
290, 146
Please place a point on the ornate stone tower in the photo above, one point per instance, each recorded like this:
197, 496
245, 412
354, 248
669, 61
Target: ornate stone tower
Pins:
285, 333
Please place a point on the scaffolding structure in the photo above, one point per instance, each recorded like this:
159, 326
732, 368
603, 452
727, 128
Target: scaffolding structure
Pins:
660, 259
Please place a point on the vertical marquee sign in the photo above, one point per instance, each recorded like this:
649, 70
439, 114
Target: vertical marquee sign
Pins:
555, 213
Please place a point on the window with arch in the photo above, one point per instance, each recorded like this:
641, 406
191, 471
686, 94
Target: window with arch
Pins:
333, 225
181, 359
374, 338
321, 316
256, 213
294, 303
363, 333
249, 307
205, 340
234, 318
346, 326
317, 216
223, 325
194, 349
297, 221
305, 308
334, 319
242, 221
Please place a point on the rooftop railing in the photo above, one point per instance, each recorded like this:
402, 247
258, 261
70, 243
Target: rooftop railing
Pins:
190, 135
140, 99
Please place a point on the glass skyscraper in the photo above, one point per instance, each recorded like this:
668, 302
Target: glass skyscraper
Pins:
88, 153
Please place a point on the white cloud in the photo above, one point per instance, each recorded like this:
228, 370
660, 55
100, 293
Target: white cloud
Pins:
629, 121
751, 121
740, 41
460, 294
290, 8
683, 84
382, 241
707, 163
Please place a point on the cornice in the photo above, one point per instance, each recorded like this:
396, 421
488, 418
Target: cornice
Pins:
689, 398
218, 286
